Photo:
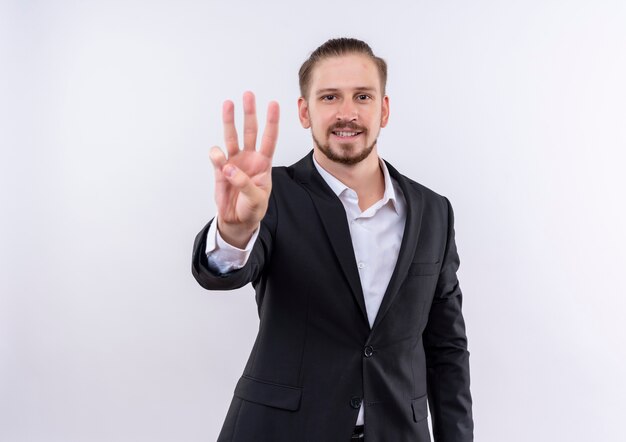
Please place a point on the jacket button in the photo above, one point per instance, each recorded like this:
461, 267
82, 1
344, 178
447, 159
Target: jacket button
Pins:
355, 402
368, 351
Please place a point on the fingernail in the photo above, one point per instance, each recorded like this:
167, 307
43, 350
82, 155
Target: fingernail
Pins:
229, 170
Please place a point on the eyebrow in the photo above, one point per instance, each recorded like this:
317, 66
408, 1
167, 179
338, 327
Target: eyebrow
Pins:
331, 89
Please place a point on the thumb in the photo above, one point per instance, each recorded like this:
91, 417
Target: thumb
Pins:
240, 180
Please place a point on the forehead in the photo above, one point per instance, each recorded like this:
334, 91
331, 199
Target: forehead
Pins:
345, 72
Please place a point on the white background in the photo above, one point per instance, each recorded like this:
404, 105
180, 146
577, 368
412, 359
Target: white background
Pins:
515, 110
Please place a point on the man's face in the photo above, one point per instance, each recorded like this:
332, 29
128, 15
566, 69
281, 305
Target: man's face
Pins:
345, 108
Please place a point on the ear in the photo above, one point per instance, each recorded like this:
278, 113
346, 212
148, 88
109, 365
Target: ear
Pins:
303, 113
384, 115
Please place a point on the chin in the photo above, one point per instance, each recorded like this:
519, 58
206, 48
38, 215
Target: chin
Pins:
345, 153
348, 155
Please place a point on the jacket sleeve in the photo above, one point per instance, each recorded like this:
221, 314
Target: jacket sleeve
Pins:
447, 358
252, 271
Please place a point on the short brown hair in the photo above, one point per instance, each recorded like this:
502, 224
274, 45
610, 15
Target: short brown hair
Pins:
337, 47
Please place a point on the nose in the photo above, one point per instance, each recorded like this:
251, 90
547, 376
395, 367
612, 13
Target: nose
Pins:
347, 111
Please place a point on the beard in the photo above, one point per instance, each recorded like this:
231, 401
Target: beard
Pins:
349, 155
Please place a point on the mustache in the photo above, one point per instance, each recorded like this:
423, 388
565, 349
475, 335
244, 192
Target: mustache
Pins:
341, 124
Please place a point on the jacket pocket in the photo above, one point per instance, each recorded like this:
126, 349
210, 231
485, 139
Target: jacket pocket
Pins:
424, 268
268, 393
419, 406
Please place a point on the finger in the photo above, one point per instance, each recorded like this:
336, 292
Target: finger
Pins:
270, 133
241, 181
218, 159
230, 132
250, 127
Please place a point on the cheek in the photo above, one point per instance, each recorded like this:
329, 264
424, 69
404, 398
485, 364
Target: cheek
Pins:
321, 123
373, 122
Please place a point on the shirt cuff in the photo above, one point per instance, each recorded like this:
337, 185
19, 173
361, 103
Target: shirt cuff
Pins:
223, 257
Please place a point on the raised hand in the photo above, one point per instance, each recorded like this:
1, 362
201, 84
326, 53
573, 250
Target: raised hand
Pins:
243, 181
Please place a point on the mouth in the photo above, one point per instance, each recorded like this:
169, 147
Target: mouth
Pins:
346, 134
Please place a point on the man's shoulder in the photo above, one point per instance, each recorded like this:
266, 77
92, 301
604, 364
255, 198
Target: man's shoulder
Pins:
283, 175
412, 186
299, 171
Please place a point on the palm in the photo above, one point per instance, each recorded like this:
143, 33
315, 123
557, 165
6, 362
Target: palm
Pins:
242, 198
233, 206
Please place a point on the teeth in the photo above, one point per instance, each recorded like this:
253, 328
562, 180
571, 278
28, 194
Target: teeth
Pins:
346, 134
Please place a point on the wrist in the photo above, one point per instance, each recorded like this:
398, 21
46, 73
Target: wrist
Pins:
237, 235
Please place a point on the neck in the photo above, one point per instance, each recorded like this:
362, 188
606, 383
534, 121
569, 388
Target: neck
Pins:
365, 177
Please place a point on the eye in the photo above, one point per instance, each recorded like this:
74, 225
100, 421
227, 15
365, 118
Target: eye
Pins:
328, 97
363, 97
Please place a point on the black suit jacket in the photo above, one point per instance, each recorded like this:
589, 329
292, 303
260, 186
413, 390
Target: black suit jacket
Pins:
315, 359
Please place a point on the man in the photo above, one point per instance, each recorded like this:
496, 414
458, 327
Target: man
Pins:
354, 267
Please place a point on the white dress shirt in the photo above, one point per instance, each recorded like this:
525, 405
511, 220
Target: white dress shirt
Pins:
376, 237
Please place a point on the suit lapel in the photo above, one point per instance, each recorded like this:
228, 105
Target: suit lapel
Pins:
333, 217
414, 210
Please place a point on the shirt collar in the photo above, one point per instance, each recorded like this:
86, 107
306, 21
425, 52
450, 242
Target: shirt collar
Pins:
338, 187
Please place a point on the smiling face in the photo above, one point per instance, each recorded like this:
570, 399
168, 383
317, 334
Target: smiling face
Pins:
345, 108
